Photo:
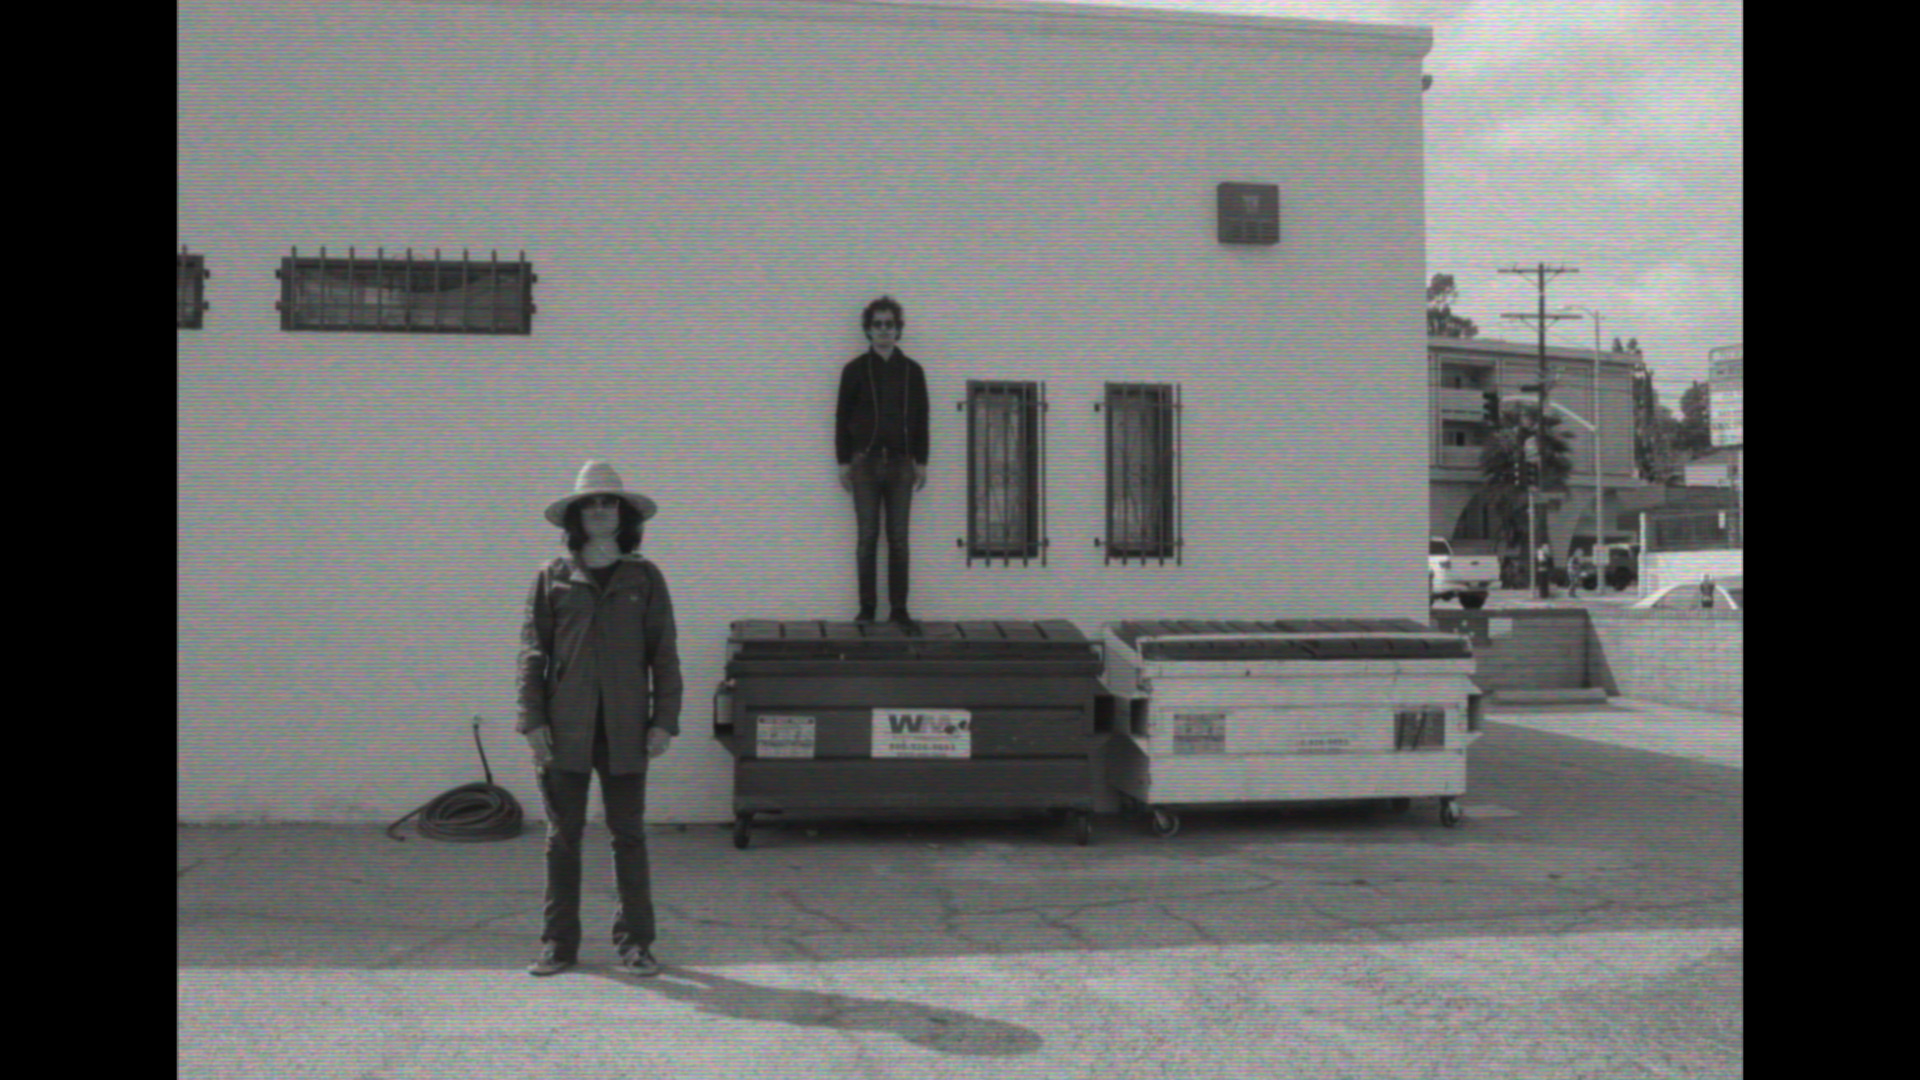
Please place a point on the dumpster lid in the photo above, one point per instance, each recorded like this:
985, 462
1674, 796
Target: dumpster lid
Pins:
1009, 639
1289, 639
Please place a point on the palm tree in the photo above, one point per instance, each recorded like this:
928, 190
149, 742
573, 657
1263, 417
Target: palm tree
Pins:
1500, 457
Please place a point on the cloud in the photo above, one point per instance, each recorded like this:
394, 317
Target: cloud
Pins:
1555, 130
1642, 178
1682, 291
1694, 109
1487, 38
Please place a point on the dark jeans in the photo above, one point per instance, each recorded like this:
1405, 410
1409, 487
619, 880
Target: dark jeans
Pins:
882, 482
625, 797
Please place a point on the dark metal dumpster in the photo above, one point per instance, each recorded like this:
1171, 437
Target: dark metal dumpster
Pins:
841, 718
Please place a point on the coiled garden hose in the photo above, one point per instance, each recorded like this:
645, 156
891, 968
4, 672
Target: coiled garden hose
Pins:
468, 813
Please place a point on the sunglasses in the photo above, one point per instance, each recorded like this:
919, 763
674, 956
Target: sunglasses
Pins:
601, 500
884, 324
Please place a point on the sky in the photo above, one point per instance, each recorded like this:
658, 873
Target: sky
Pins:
1598, 134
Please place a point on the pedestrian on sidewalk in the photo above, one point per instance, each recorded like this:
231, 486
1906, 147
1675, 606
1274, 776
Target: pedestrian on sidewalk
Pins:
1543, 570
1576, 569
880, 439
600, 689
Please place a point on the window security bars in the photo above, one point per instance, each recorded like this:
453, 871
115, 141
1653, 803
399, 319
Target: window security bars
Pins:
1143, 473
405, 294
1006, 471
191, 274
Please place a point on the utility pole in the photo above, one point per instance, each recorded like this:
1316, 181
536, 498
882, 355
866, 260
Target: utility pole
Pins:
1599, 489
1540, 272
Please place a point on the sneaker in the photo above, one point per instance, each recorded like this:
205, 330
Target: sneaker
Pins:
551, 962
903, 620
639, 962
866, 615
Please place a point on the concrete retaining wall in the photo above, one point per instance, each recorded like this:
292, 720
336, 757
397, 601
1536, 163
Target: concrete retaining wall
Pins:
1687, 658
1526, 648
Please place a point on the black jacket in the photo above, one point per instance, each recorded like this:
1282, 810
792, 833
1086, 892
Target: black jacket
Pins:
858, 415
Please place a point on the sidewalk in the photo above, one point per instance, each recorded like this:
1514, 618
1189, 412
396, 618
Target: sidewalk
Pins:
1584, 920
1715, 738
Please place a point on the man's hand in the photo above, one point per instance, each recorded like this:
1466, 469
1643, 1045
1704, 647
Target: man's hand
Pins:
846, 477
919, 476
658, 739
540, 740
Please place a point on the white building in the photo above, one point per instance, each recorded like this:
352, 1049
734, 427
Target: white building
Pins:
1726, 413
708, 193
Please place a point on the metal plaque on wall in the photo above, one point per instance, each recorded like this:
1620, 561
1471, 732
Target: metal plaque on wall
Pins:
1247, 213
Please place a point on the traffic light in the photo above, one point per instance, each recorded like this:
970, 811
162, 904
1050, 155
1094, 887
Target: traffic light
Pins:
1529, 473
1490, 406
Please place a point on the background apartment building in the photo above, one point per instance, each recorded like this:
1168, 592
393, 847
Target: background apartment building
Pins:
1461, 370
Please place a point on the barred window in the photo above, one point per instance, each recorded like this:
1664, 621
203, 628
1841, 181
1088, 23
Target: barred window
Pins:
406, 294
1143, 472
192, 275
1006, 471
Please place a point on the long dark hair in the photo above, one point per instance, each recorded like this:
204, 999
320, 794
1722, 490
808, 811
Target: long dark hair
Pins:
627, 536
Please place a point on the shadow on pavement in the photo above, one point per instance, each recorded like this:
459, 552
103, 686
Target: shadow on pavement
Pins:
948, 1031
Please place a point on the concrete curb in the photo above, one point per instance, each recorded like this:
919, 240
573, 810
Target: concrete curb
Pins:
1547, 697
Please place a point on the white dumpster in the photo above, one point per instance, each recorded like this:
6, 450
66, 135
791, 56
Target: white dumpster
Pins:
1214, 712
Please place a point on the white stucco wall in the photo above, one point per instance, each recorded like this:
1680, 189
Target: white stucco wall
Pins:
1659, 569
708, 200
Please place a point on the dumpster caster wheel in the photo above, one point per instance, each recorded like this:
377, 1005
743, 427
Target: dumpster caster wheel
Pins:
740, 826
1449, 811
1083, 829
1165, 823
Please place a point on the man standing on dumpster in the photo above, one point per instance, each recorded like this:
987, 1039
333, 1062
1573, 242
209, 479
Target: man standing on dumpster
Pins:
880, 438
599, 681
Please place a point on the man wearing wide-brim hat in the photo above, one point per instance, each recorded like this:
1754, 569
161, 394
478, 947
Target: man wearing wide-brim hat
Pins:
600, 689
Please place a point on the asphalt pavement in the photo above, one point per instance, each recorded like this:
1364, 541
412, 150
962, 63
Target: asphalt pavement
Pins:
1584, 920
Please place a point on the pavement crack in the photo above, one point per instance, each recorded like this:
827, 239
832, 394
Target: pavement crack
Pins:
1378, 929
1064, 924
396, 959
204, 860
1198, 930
1037, 909
797, 943
794, 902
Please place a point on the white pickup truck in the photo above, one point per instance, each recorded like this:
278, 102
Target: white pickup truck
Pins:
1468, 577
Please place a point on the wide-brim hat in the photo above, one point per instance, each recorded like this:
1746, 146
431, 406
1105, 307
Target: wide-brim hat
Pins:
598, 478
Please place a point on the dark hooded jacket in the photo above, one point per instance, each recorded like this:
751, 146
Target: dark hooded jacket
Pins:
582, 648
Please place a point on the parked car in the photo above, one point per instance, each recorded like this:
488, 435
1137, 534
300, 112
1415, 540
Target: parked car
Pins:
1468, 577
1728, 594
1620, 564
